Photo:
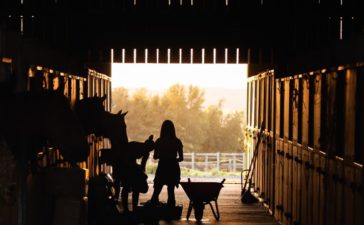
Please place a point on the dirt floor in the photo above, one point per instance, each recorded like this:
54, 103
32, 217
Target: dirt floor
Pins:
232, 211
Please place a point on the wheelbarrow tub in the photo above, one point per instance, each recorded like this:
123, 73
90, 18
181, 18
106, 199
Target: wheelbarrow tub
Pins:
201, 194
202, 191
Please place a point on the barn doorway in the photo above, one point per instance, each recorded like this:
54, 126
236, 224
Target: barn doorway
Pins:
204, 94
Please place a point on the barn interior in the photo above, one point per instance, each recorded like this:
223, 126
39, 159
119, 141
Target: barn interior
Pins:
305, 67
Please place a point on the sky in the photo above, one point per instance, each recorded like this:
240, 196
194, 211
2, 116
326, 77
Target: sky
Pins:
226, 78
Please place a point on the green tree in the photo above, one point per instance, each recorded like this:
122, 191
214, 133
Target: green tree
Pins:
120, 99
200, 129
214, 140
195, 122
173, 102
233, 132
138, 119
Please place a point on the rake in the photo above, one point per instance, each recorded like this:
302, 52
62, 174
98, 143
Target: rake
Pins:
246, 195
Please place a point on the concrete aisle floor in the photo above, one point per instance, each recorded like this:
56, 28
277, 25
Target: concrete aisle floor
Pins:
232, 211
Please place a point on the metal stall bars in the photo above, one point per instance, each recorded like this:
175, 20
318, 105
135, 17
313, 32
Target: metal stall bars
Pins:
260, 105
98, 85
72, 86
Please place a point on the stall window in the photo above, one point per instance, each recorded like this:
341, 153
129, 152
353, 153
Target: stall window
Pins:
311, 110
70, 88
324, 116
269, 103
281, 111
259, 100
251, 103
256, 103
290, 110
262, 104
248, 104
78, 87
300, 108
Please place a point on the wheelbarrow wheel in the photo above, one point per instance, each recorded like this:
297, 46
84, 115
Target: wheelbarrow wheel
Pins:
199, 211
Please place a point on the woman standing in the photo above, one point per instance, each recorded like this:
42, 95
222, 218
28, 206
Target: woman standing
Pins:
169, 151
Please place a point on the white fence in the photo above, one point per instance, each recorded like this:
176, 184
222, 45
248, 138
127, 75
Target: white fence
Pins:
229, 162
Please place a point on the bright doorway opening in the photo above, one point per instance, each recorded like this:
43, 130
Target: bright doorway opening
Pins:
206, 102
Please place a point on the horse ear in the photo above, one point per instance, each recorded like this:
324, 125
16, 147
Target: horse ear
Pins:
121, 113
103, 98
124, 114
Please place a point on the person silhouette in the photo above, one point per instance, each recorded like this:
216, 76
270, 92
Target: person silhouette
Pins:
169, 151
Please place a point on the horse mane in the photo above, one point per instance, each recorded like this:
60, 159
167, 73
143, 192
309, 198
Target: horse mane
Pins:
113, 126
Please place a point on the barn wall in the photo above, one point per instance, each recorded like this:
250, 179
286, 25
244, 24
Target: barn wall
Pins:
310, 160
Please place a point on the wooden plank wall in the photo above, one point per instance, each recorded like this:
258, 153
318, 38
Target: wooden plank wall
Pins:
98, 85
309, 167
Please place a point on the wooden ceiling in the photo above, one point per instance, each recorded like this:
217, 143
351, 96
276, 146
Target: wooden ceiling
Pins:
279, 29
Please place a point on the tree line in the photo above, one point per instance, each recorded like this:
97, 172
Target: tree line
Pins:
201, 129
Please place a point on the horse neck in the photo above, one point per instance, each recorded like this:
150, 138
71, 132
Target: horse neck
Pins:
117, 139
90, 112
114, 128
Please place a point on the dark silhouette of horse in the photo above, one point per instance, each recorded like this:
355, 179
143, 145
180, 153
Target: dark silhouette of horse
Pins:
29, 118
113, 127
91, 111
123, 155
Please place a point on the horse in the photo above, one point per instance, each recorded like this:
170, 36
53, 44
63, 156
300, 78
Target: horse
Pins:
90, 112
27, 121
113, 127
123, 155
29, 118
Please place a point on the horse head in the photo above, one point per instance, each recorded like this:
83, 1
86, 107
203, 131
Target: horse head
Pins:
64, 129
149, 143
114, 127
90, 111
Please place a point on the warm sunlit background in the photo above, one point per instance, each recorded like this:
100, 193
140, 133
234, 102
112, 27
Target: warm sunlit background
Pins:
225, 82
206, 102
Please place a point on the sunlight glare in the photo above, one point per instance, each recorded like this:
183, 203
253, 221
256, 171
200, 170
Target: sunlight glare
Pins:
161, 76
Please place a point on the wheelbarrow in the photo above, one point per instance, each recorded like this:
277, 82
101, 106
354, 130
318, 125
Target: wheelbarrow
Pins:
201, 194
